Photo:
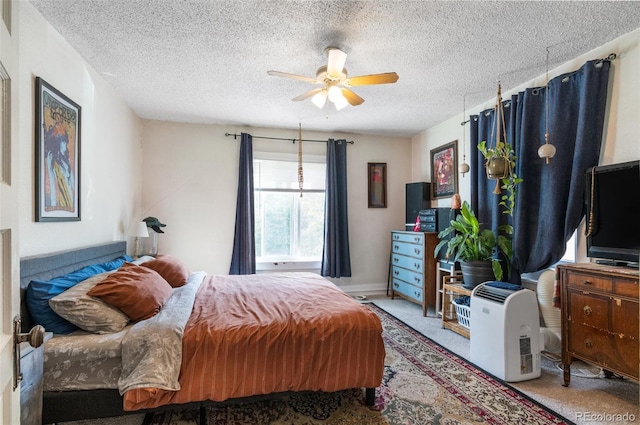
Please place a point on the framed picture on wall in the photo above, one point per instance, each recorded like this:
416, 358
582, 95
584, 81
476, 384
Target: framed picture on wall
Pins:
444, 166
57, 155
377, 178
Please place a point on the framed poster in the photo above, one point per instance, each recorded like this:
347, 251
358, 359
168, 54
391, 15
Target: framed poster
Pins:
57, 155
377, 178
444, 166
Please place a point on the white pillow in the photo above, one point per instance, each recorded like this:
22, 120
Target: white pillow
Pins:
86, 312
143, 259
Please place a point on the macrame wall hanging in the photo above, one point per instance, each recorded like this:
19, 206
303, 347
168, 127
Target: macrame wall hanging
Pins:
300, 171
497, 164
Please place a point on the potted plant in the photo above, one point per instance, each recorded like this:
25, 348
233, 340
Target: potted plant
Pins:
481, 252
497, 159
475, 248
502, 153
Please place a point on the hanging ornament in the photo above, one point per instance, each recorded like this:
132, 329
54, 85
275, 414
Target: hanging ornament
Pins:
464, 167
300, 173
546, 151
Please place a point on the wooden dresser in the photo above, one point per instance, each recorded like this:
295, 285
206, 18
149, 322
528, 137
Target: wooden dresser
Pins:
413, 267
600, 315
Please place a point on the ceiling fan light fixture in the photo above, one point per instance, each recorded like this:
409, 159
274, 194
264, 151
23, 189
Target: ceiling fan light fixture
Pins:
334, 82
341, 102
319, 99
334, 93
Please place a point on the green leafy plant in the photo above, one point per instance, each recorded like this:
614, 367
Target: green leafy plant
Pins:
507, 185
468, 242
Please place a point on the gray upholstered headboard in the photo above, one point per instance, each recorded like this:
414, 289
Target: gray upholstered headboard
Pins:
48, 266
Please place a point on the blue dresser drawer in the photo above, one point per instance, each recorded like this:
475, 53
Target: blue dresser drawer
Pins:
410, 263
407, 290
414, 278
409, 237
409, 249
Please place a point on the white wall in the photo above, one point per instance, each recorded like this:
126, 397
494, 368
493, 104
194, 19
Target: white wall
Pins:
110, 143
190, 183
622, 125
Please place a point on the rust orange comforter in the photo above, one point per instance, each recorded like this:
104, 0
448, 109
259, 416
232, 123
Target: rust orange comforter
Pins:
269, 333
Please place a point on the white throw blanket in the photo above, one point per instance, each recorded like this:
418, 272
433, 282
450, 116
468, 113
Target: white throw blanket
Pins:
152, 349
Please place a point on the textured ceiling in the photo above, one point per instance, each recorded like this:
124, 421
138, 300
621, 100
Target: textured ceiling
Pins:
206, 61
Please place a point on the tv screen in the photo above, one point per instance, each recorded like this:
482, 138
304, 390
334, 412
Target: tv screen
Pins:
613, 228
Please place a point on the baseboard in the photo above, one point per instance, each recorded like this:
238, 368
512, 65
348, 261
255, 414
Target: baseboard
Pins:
366, 289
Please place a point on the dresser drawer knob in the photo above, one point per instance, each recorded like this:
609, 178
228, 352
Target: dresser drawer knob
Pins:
417, 279
416, 265
417, 251
417, 294
587, 310
396, 247
395, 260
417, 239
588, 343
396, 285
586, 282
396, 272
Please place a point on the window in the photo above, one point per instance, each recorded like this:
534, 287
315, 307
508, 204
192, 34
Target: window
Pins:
288, 227
570, 254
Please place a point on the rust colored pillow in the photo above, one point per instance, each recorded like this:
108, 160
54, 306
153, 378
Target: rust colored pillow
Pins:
170, 268
139, 292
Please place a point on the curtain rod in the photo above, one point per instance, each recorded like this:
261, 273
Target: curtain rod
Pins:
235, 136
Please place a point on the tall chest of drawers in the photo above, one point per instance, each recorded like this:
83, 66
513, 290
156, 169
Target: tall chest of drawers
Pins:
413, 267
600, 317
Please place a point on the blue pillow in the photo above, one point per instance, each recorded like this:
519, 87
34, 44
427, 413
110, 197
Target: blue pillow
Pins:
39, 292
117, 263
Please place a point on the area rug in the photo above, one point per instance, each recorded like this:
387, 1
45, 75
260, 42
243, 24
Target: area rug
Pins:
424, 383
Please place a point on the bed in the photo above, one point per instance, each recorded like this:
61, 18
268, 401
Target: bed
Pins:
220, 339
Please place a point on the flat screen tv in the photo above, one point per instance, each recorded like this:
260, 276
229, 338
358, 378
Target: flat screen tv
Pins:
613, 218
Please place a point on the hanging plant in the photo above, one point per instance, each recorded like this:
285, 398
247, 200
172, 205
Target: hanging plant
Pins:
497, 157
497, 160
508, 181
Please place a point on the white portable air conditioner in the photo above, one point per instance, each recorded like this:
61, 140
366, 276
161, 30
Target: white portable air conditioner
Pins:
505, 332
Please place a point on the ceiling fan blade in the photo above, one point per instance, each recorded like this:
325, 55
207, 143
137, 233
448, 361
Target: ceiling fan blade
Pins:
308, 94
335, 63
292, 76
365, 80
352, 98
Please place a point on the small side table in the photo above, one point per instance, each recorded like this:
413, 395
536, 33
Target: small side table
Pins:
451, 289
31, 367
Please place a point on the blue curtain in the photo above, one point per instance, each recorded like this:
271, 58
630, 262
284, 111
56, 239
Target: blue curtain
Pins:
550, 201
243, 259
336, 261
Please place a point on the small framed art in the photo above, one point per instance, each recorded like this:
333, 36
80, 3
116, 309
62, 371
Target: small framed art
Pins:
57, 155
377, 178
444, 166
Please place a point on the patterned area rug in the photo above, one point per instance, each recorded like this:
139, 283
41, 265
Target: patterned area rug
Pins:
423, 383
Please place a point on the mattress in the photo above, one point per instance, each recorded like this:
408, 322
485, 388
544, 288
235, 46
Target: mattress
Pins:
83, 361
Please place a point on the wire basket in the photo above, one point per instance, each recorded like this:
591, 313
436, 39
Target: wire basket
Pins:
463, 314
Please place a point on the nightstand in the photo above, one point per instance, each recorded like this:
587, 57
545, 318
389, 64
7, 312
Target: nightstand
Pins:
31, 367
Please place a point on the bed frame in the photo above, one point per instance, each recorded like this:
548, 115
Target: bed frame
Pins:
62, 406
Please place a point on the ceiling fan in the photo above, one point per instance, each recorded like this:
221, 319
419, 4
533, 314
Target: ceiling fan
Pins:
335, 82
